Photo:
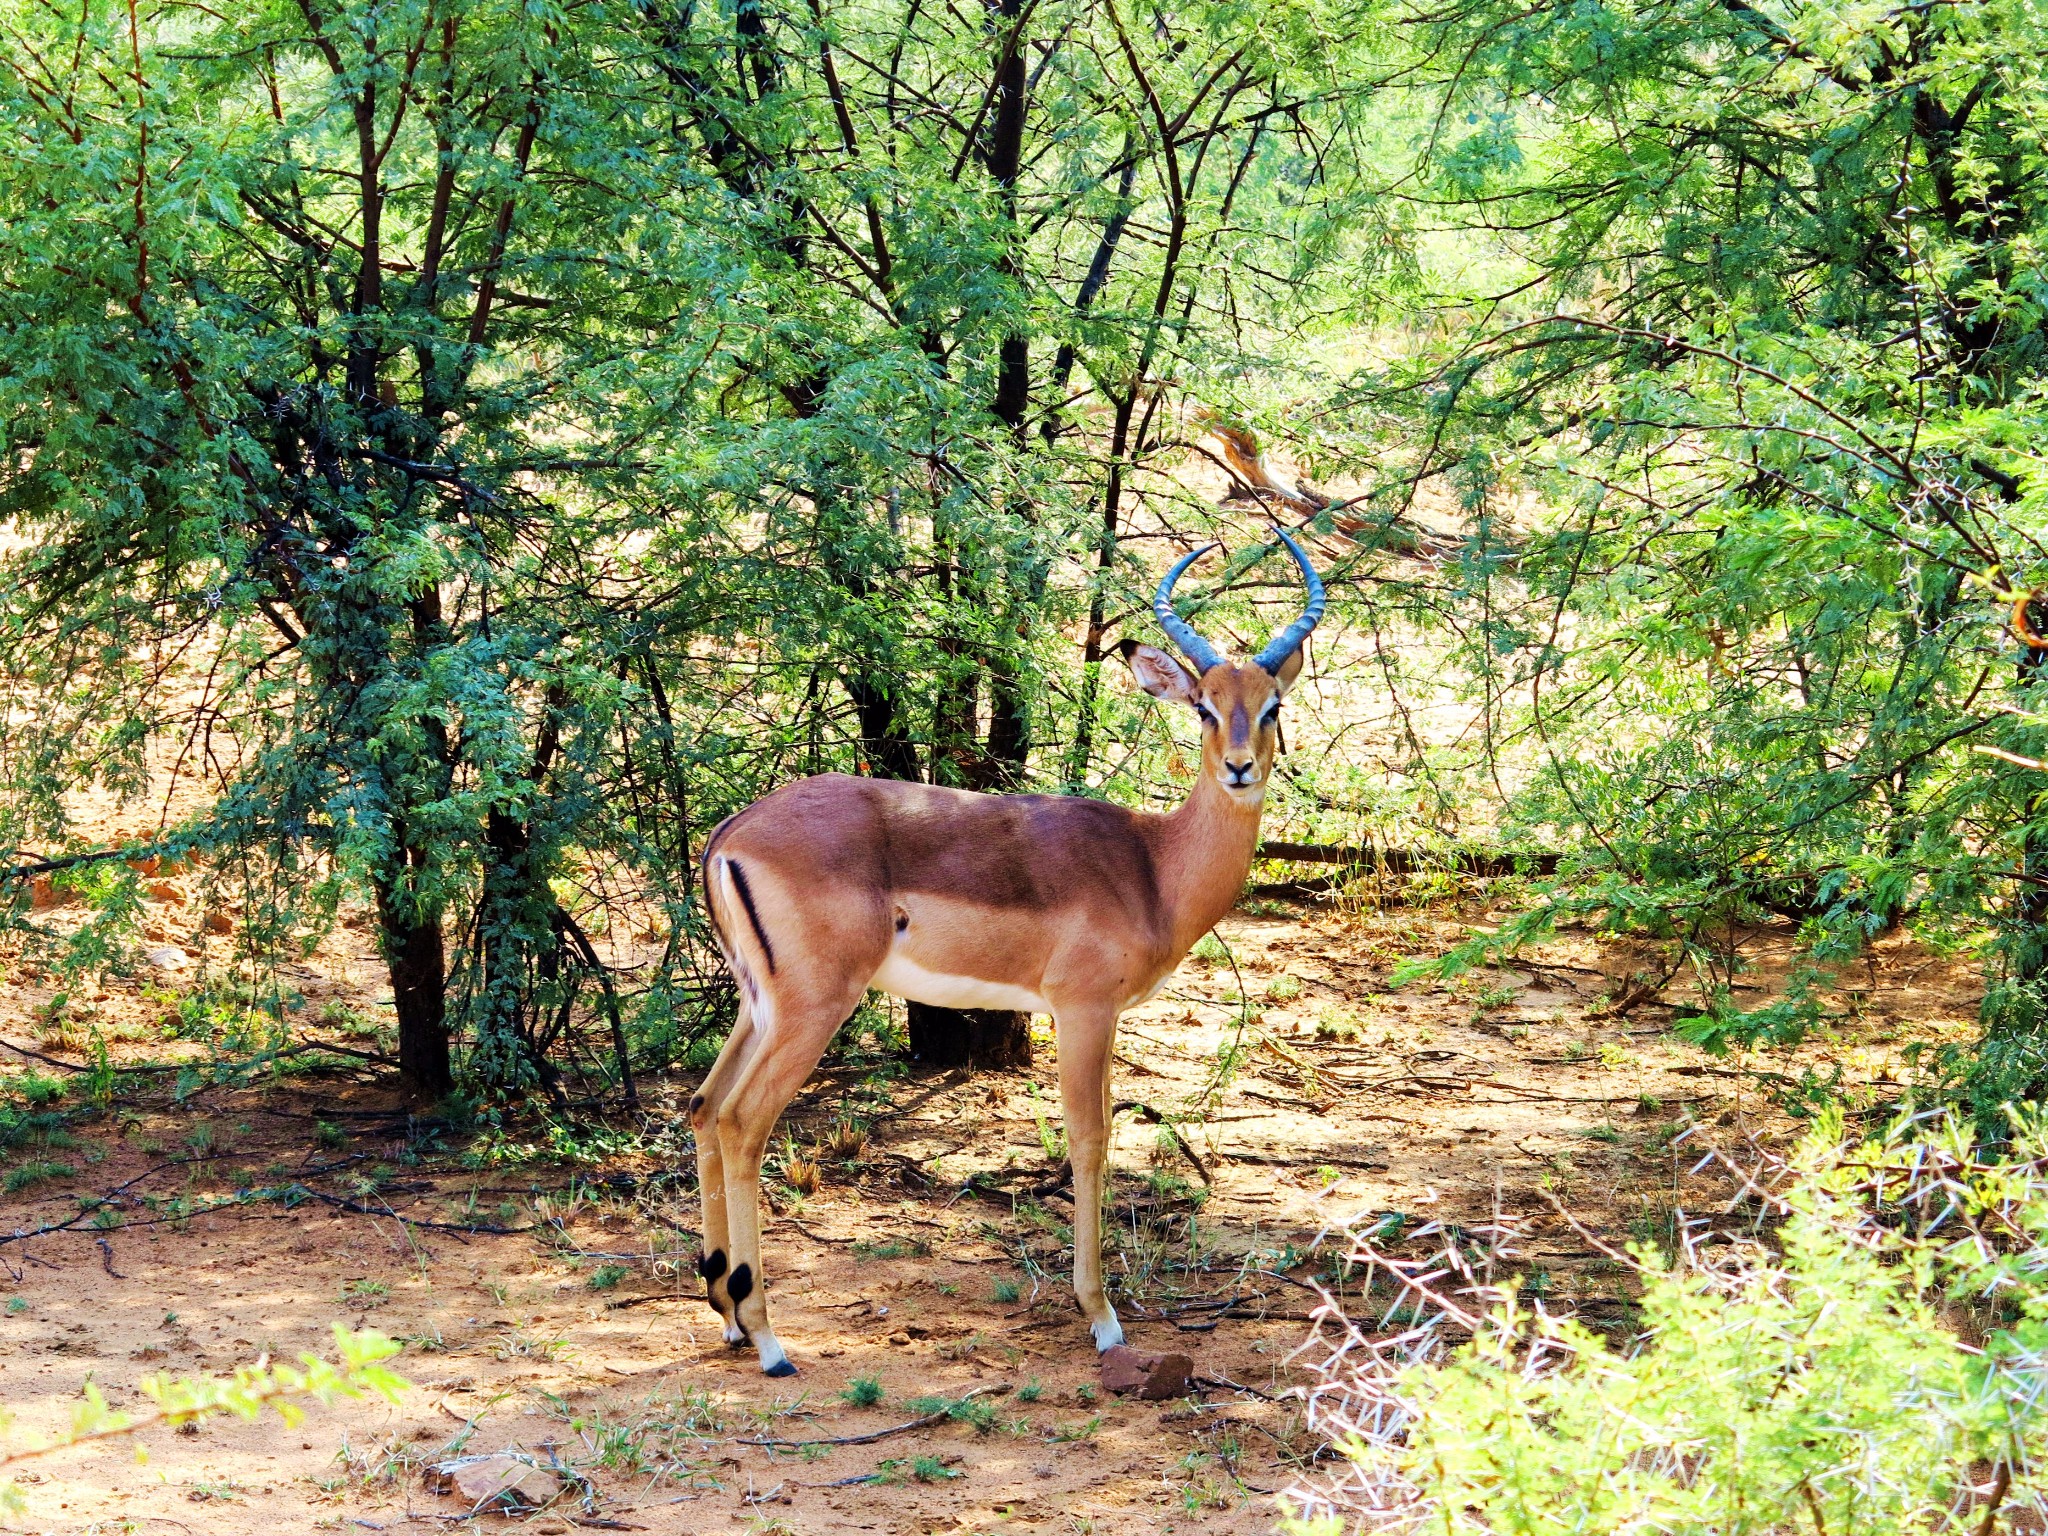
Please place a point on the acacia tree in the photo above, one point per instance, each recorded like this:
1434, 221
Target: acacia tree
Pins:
276, 381
1018, 220
552, 424
1760, 317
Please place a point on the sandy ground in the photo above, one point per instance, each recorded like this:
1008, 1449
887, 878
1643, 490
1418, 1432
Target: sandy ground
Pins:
930, 1259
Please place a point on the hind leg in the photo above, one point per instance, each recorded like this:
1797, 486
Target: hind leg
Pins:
745, 1118
714, 1264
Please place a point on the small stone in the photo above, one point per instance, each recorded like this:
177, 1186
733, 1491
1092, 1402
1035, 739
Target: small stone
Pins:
1152, 1377
500, 1482
165, 958
899, 1337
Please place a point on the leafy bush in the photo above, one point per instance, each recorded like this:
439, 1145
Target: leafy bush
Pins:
36, 1171
1819, 1381
862, 1392
357, 1370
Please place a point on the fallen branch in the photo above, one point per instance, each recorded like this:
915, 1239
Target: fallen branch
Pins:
356, 1207
640, 1301
938, 1417
36, 867
1152, 1116
1404, 861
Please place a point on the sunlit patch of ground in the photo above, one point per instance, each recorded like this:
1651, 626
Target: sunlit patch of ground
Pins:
929, 1257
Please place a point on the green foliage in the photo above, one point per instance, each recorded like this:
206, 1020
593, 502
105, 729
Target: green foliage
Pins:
862, 1392
26, 1176
500, 442
513, 439
977, 1411
1822, 1380
1737, 394
357, 1370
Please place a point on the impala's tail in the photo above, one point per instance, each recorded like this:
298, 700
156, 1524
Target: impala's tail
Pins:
729, 898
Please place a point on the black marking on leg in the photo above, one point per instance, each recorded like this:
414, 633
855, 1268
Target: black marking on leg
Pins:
712, 1265
780, 1368
741, 1285
739, 883
696, 1103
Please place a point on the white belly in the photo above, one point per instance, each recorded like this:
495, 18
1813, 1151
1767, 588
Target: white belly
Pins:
906, 979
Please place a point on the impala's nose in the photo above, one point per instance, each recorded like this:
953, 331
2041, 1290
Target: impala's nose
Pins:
1239, 774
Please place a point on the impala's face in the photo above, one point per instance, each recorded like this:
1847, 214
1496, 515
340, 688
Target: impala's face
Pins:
1238, 705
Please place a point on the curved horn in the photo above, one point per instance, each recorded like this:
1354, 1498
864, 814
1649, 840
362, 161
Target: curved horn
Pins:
1288, 641
2021, 628
1197, 650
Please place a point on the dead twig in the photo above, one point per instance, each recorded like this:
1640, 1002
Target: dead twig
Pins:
1152, 1116
641, 1301
938, 1417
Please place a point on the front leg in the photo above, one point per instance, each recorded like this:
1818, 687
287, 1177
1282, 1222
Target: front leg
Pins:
1087, 1038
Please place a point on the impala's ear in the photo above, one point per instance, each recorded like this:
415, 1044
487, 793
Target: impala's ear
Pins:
1158, 673
1290, 669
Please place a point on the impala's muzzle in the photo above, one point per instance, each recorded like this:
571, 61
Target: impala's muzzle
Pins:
1243, 775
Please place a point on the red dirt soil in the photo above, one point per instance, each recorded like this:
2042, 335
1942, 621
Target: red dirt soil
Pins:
578, 1336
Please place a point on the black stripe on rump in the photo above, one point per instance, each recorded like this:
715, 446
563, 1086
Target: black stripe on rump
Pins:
739, 883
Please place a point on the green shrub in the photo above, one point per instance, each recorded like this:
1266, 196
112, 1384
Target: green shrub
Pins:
1816, 1383
38, 1089
35, 1172
357, 1370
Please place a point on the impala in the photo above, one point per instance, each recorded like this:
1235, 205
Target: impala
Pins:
1046, 903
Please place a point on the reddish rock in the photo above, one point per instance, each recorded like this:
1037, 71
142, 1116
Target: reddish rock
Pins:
1152, 1377
506, 1482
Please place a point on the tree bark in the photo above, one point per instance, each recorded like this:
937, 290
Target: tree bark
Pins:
2031, 903
414, 955
970, 1037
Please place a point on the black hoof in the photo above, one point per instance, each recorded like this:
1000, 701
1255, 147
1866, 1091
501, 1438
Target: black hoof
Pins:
780, 1368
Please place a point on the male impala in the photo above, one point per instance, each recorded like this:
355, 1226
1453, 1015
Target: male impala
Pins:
1047, 903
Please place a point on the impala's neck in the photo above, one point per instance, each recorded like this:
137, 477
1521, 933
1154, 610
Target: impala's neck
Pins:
1209, 845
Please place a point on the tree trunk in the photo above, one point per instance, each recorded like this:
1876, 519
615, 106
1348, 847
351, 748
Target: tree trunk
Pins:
2031, 901
419, 989
970, 1037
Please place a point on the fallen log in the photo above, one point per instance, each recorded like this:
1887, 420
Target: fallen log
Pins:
1405, 861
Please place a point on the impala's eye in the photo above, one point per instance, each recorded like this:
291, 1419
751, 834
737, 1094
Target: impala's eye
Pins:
1272, 714
1202, 710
